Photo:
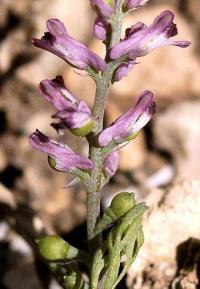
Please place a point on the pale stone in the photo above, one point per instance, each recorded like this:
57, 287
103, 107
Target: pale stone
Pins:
181, 137
133, 155
173, 219
82, 86
6, 196
3, 159
10, 47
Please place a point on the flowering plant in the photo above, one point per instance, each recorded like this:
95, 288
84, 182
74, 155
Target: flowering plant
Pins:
122, 221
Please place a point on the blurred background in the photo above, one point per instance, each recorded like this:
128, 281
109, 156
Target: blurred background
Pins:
161, 165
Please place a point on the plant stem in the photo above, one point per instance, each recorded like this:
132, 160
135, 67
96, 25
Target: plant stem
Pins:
102, 86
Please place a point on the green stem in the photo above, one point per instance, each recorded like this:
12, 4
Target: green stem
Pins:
102, 86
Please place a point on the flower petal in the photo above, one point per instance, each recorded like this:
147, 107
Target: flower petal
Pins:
130, 32
65, 159
134, 4
58, 42
55, 91
123, 70
74, 119
100, 28
127, 126
140, 39
79, 120
111, 164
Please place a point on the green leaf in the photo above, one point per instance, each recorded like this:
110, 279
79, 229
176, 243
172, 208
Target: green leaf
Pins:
96, 268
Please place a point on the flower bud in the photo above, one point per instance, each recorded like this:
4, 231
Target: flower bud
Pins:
70, 280
111, 164
73, 280
110, 2
100, 28
54, 248
123, 70
85, 129
52, 163
122, 203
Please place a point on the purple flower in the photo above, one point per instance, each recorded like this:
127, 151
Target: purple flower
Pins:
58, 42
140, 39
100, 28
80, 122
128, 125
134, 4
61, 157
111, 164
73, 114
123, 70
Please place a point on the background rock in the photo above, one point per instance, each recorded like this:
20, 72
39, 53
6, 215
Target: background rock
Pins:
173, 219
181, 139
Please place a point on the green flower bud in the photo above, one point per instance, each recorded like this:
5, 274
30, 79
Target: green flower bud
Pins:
84, 130
70, 280
73, 280
132, 136
52, 163
55, 248
122, 203
110, 2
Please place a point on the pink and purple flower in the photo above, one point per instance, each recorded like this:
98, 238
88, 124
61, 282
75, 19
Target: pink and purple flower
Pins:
128, 125
58, 42
73, 114
141, 39
61, 157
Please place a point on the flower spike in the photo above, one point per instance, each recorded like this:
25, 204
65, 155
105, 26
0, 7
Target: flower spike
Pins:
128, 125
58, 42
61, 157
140, 39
